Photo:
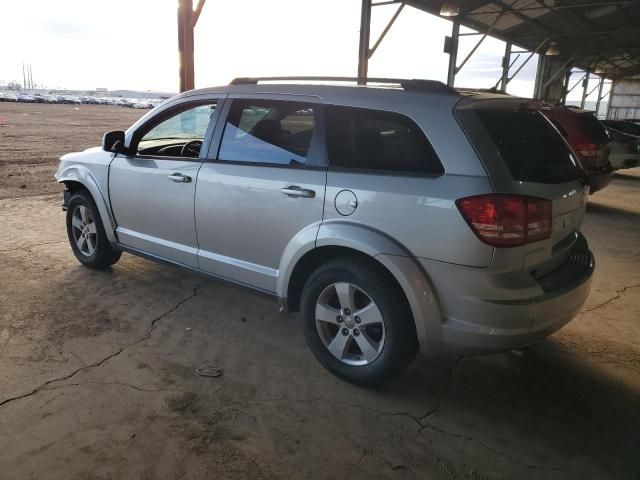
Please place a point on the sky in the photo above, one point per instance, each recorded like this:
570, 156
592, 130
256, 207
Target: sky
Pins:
132, 44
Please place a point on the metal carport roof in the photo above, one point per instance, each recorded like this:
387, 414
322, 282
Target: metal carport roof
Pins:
591, 35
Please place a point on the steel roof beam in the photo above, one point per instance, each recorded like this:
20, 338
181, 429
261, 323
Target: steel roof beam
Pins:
533, 30
562, 6
478, 43
373, 49
524, 18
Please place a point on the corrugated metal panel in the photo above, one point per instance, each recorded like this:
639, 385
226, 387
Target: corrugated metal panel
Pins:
624, 102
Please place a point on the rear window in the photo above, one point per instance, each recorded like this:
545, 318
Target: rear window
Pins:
360, 138
530, 147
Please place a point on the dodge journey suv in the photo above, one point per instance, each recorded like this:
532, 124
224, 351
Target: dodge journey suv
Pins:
396, 218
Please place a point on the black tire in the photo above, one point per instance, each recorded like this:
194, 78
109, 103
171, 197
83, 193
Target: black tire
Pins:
104, 255
400, 340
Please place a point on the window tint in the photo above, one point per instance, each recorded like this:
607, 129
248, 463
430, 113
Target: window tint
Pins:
370, 139
593, 128
561, 129
531, 148
170, 136
276, 132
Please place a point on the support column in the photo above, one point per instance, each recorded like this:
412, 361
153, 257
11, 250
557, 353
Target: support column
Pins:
600, 87
451, 47
585, 86
365, 34
185, 45
506, 63
565, 88
551, 76
537, 89
611, 92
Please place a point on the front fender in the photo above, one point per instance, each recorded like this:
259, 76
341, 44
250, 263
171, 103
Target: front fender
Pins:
96, 183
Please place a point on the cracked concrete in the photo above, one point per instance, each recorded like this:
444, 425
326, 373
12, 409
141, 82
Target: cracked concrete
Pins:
355, 465
102, 361
445, 390
618, 294
497, 451
97, 376
32, 245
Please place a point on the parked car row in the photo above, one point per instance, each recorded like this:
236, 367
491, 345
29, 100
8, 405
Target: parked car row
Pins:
78, 100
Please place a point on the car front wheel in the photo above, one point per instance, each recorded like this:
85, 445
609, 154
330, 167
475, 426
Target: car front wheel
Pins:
86, 233
357, 321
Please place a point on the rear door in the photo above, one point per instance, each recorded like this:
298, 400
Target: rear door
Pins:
262, 189
152, 190
524, 154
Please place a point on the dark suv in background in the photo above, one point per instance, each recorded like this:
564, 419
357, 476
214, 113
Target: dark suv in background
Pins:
588, 138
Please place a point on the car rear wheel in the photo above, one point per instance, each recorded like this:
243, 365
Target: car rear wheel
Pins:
86, 233
357, 322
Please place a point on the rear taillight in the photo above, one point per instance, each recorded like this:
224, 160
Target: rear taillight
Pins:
587, 150
507, 220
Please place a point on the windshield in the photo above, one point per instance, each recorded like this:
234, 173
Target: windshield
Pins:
188, 125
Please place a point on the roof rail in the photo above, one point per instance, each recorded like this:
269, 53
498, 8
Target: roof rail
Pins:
407, 84
483, 90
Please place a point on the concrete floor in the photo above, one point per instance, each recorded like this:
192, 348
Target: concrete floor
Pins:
97, 377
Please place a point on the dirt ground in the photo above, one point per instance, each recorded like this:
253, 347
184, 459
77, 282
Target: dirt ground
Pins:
34, 136
97, 369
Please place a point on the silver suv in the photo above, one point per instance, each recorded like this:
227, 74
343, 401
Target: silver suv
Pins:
395, 217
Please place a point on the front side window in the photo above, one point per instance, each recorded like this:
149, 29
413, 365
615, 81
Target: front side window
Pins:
268, 131
180, 135
359, 138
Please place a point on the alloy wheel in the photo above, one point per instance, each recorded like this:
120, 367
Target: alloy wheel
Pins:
350, 324
83, 227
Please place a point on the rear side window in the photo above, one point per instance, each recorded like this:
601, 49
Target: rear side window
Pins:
268, 131
561, 129
530, 147
593, 128
359, 138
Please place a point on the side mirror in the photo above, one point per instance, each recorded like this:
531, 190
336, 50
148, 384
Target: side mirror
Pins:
113, 142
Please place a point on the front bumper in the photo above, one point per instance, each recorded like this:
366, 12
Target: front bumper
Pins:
475, 324
66, 197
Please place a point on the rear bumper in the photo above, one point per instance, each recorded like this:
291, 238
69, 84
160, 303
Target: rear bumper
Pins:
620, 160
597, 181
512, 317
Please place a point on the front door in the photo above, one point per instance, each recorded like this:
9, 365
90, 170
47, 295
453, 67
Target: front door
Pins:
152, 192
263, 189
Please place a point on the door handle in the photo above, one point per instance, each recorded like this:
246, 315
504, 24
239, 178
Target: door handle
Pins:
296, 191
179, 178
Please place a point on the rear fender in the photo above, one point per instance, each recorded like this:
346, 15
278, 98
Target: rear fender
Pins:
409, 274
